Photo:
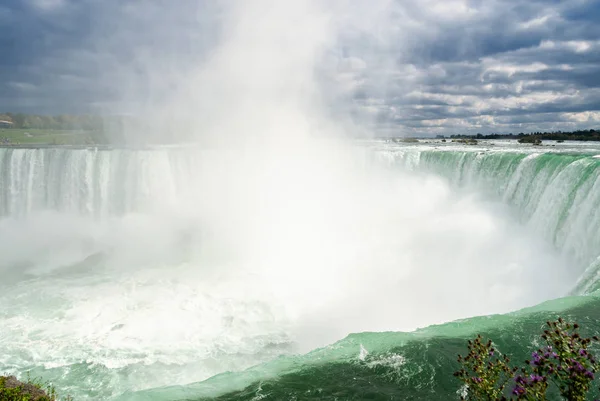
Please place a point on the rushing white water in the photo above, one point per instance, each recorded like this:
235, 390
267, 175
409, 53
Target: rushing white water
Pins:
146, 268
90, 182
129, 269
555, 192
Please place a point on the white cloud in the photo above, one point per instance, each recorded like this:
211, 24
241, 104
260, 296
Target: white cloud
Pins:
511, 69
352, 64
576, 46
451, 64
586, 116
449, 10
538, 22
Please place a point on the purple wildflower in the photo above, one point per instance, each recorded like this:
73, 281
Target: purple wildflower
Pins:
535, 378
518, 390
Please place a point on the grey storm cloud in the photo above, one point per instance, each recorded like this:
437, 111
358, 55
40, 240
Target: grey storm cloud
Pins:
499, 66
430, 67
67, 56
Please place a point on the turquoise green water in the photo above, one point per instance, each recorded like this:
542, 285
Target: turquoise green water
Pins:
388, 366
556, 195
553, 193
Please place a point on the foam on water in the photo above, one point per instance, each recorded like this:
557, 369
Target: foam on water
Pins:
168, 266
554, 192
124, 270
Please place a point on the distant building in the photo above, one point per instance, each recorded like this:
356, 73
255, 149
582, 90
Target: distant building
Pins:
6, 124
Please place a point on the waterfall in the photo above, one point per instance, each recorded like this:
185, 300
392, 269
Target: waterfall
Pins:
555, 194
91, 182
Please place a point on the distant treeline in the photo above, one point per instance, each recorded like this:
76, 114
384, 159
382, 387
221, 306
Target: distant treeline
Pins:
99, 129
580, 135
60, 122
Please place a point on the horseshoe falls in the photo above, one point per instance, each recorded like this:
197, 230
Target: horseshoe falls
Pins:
556, 194
178, 273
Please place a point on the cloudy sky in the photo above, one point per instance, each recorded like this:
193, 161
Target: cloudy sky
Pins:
420, 67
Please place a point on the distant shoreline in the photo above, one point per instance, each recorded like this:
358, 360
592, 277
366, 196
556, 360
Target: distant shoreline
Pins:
34, 146
579, 135
409, 140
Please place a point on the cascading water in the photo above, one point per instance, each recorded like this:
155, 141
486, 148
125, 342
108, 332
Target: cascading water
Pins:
134, 273
92, 182
556, 194
127, 270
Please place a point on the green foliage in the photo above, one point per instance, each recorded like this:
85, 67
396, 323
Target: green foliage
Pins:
467, 141
565, 362
405, 140
61, 122
12, 389
485, 372
537, 137
14, 136
534, 139
54, 130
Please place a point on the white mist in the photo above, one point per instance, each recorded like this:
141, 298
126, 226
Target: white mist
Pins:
277, 237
